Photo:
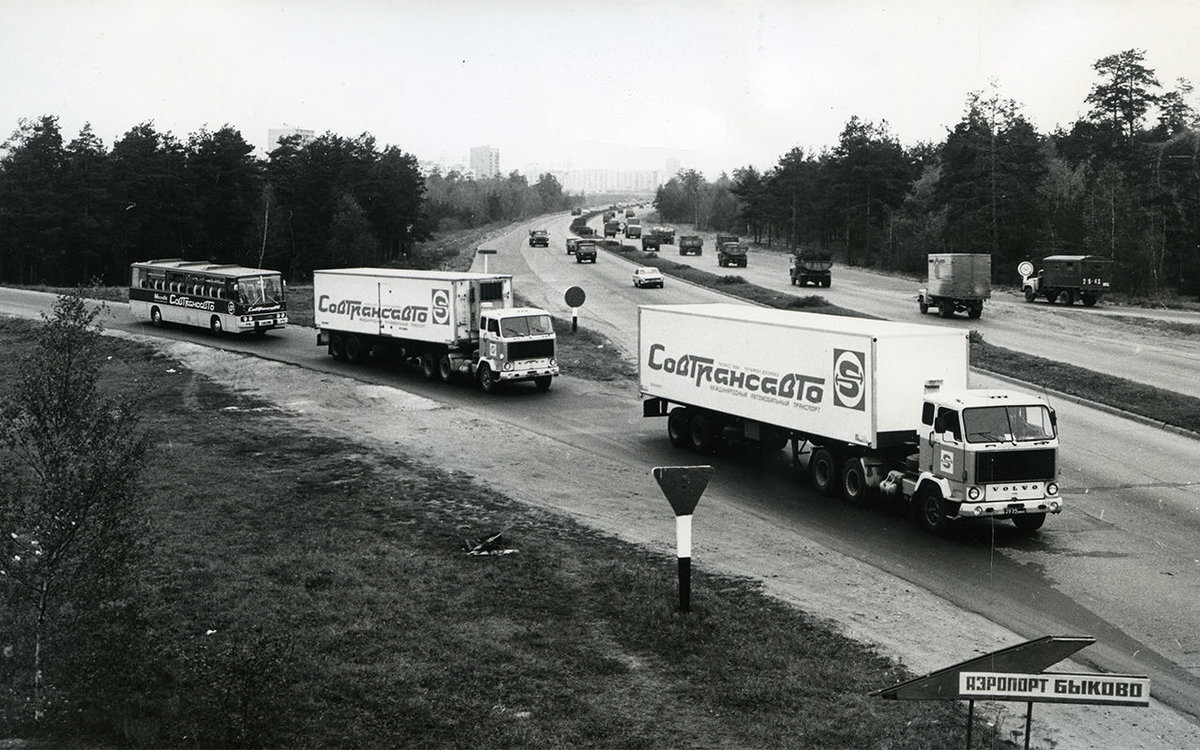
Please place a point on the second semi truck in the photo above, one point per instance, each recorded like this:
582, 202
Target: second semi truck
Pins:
877, 406
450, 323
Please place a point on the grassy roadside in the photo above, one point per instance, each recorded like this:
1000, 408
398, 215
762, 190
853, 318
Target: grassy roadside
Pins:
308, 592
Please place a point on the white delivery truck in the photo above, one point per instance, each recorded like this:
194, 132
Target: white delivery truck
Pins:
451, 323
957, 282
876, 405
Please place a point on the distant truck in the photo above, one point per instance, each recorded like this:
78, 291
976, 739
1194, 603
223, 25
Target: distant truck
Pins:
957, 282
633, 231
651, 242
450, 323
876, 406
732, 254
811, 266
666, 235
539, 238
691, 244
585, 251
612, 228
572, 243
1067, 278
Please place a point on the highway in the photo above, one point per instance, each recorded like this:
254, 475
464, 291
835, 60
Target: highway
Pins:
1121, 563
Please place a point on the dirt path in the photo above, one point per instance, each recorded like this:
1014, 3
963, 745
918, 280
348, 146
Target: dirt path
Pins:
922, 631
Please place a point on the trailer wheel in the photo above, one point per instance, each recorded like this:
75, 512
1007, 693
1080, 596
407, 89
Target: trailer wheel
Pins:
824, 469
1051, 296
1029, 522
929, 511
356, 350
771, 440
1030, 295
1087, 299
703, 434
487, 380
679, 427
543, 383
428, 366
445, 369
854, 482
975, 310
337, 347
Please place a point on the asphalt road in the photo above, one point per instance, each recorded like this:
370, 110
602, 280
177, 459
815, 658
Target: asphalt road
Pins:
1121, 563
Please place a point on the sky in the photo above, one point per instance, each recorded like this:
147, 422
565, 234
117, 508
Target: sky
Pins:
571, 84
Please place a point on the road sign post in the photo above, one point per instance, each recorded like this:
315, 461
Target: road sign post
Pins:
485, 252
683, 486
574, 298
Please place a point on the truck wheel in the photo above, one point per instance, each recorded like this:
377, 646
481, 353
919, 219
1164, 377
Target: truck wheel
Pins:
155, 316
356, 351
1029, 522
1050, 296
929, 510
487, 379
826, 282
771, 440
824, 469
922, 305
215, 325
945, 309
428, 366
679, 427
337, 347
1070, 295
1088, 300
1030, 295
445, 369
543, 383
975, 310
703, 434
854, 482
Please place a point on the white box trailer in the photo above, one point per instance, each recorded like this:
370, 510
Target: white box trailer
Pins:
880, 405
451, 323
851, 380
957, 282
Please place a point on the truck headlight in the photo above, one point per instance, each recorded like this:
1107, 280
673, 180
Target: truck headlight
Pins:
553, 362
1052, 488
508, 365
973, 493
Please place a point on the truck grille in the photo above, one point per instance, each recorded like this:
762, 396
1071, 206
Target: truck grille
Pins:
530, 349
1011, 466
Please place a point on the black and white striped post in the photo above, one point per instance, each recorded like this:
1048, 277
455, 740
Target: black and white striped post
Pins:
683, 486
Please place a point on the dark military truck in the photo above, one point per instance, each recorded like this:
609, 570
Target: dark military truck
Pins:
691, 244
732, 254
666, 235
585, 250
651, 242
811, 266
1066, 278
612, 228
539, 238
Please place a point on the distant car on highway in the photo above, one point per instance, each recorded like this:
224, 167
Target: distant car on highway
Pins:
647, 276
539, 238
572, 242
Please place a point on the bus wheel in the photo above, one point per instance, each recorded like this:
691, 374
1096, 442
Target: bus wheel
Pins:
215, 325
823, 468
156, 316
428, 366
679, 427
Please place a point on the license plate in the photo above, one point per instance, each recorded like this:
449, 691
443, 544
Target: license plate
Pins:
1015, 508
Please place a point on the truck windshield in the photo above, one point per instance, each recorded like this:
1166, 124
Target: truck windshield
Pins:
997, 424
525, 325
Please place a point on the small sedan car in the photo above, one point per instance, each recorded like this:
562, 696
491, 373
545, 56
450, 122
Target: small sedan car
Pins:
647, 276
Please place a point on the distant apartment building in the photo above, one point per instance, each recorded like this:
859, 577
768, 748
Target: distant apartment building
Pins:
274, 134
607, 180
485, 162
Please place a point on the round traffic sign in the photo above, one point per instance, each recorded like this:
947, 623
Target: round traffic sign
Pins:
1025, 268
575, 297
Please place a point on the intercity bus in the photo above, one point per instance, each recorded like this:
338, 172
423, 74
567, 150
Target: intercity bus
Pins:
220, 297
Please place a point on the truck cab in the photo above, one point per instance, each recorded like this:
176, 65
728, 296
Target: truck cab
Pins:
516, 343
585, 251
982, 454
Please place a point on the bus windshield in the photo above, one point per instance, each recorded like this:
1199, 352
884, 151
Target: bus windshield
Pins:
525, 325
260, 290
997, 424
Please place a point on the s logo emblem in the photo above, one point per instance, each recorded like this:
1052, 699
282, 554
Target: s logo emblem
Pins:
849, 379
441, 307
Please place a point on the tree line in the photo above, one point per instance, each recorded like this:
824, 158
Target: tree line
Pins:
1117, 183
72, 212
